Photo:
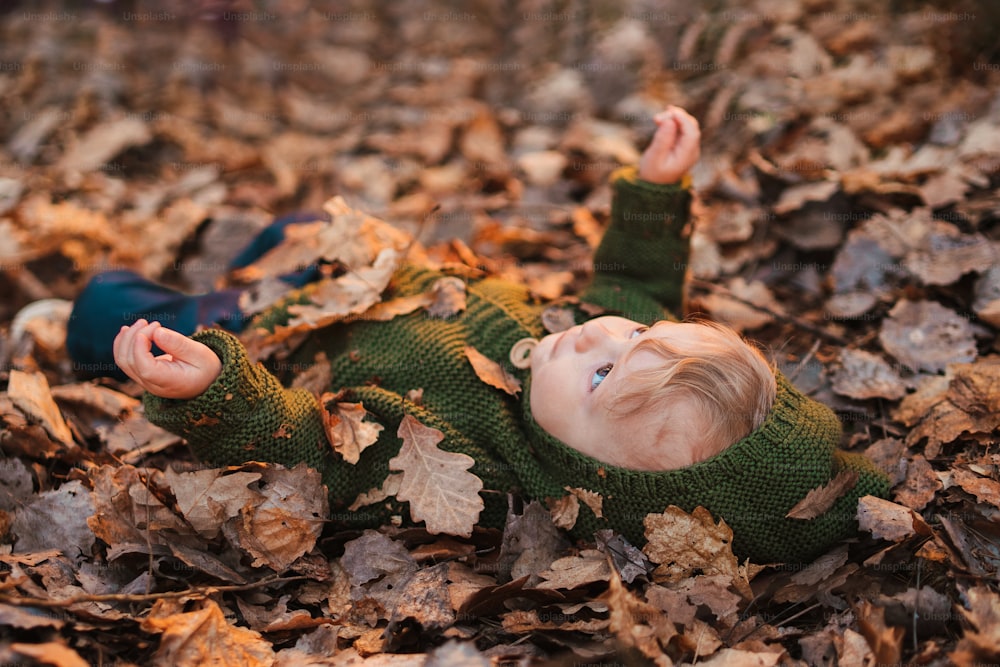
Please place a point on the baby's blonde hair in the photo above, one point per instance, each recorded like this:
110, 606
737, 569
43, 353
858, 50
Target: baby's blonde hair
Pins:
723, 378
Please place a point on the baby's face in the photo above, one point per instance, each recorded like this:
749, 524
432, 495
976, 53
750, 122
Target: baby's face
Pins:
575, 375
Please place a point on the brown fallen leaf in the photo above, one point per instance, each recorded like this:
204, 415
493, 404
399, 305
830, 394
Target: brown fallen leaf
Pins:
50, 653
819, 500
345, 428
981, 639
886, 520
448, 296
529, 545
637, 623
984, 489
287, 520
384, 311
208, 498
390, 487
885, 640
437, 484
864, 375
31, 394
564, 511
126, 512
732, 657
103, 142
924, 335
491, 372
591, 499
683, 543
202, 636
920, 485
56, 519
335, 299
588, 566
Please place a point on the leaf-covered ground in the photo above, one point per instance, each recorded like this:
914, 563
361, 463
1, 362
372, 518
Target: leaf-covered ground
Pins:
848, 220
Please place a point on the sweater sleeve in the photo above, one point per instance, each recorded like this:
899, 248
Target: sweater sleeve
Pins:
246, 415
640, 264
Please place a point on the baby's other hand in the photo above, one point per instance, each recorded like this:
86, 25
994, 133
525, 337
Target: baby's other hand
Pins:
185, 370
674, 149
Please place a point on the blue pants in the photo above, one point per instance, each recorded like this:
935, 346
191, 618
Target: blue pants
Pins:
116, 298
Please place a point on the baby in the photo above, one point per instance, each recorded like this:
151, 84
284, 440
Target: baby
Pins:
645, 411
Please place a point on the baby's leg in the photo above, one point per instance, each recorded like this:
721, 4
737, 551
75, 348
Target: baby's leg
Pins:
116, 298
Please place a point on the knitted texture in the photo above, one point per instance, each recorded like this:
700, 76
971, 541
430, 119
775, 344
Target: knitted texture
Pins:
751, 485
246, 414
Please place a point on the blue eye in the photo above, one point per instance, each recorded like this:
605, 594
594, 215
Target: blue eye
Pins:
599, 376
639, 332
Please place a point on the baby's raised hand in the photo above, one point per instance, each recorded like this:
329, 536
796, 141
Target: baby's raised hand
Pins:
674, 149
185, 370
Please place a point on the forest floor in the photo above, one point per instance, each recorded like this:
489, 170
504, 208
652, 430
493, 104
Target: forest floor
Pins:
847, 219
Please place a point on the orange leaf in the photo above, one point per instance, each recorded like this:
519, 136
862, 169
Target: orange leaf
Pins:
345, 429
822, 498
491, 372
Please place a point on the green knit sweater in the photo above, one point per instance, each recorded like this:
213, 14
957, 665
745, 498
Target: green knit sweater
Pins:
639, 268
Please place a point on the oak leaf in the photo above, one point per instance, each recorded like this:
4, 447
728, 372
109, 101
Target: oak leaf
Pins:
822, 498
683, 543
491, 372
437, 484
345, 428
591, 499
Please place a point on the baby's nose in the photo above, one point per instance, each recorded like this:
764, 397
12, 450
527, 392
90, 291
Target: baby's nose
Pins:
591, 333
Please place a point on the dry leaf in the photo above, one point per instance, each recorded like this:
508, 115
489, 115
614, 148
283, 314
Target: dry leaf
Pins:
920, 484
56, 520
30, 393
402, 305
449, 297
984, 489
208, 498
564, 511
204, 637
95, 149
491, 372
437, 484
886, 520
286, 522
863, 375
591, 499
584, 568
126, 512
886, 641
819, 500
982, 638
345, 428
334, 299
628, 561
390, 487
50, 653
924, 335
530, 543
683, 543
637, 623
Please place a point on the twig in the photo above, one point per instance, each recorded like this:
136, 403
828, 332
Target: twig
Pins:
802, 364
798, 322
205, 591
